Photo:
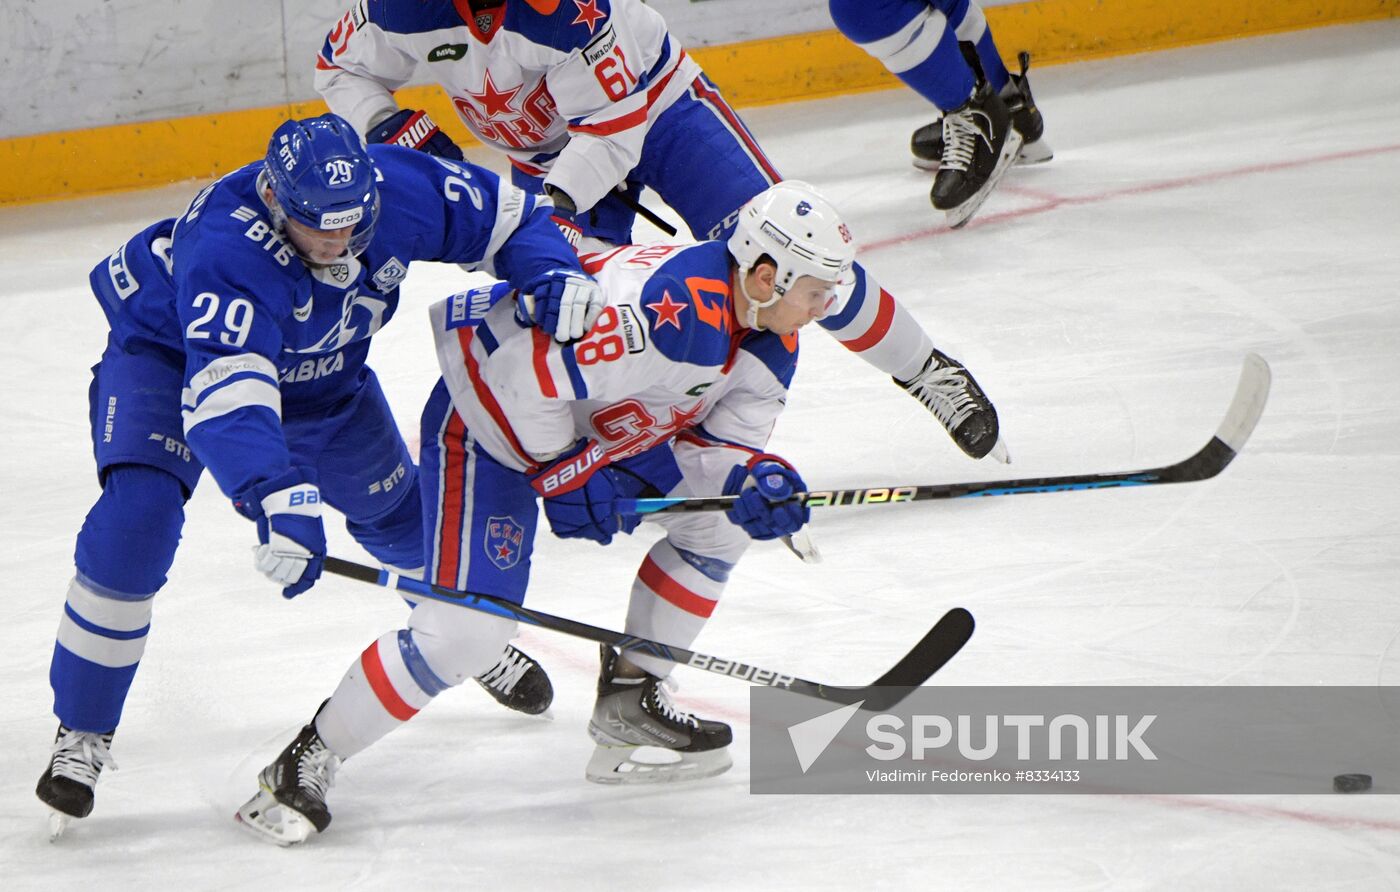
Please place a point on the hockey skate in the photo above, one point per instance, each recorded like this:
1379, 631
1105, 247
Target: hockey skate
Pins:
67, 785
949, 391
927, 142
290, 804
518, 682
979, 144
634, 715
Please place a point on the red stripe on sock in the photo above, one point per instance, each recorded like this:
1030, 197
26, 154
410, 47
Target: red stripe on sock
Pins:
878, 329
382, 687
672, 591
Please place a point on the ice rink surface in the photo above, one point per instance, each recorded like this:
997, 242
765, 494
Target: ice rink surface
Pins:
1202, 203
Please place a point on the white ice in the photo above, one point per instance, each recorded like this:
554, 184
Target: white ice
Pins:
1202, 203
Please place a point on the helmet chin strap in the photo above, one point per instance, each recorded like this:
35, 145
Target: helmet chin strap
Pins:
751, 316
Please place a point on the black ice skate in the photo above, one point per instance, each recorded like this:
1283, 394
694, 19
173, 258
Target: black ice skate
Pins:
291, 801
927, 142
66, 787
951, 393
979, 144
518, 682
632, 715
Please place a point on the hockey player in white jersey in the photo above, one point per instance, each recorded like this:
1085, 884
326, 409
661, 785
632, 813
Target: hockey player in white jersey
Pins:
593, 100
675, 391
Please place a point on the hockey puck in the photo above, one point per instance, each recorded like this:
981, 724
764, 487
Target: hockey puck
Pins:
1351, 783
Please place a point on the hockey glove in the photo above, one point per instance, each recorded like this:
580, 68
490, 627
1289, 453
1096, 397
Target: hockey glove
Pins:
415, 130
580, 494
563, 302
292, 541
765, 487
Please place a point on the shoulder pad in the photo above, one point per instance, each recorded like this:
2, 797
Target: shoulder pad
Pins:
412, 16
686, 327
564, 25
403, 169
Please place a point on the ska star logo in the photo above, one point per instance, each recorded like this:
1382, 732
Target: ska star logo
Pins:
668, 311
681, 420
493, 101
589, 14
503, 542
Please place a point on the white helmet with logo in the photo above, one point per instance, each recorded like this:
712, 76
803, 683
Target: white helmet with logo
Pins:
802, 233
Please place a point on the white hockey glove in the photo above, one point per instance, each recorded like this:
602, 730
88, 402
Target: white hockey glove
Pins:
563, 302
291, 548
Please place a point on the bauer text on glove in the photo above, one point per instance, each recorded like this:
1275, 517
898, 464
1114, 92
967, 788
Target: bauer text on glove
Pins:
291, 546
580, 495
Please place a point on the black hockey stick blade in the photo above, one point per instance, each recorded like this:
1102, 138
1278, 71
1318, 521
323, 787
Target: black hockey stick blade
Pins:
937, 647
1251, 394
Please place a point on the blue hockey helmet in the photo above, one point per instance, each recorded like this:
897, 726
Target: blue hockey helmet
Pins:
323, 178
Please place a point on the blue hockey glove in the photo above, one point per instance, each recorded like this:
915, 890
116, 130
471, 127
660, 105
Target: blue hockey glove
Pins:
580, 494
415, 130
563, 302
764, 486
291, 546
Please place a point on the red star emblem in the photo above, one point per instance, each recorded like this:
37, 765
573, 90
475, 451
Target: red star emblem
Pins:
588, 14
493, 101
503, 552
681, 420
667, 311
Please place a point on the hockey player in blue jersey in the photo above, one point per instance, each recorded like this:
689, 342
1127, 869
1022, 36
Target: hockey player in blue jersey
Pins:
675, 391
944, 50
592, 100
239, 333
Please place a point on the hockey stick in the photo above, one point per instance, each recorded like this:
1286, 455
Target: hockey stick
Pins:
1229, 439
938, 646
644, 212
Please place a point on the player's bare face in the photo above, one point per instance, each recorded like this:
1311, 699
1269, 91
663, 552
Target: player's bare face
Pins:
806, 301
319, 246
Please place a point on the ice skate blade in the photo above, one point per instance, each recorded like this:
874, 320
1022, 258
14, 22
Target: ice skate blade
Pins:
800, 543
999, 452
616, 765
958, 216
1037, 152
58, 822
271, 821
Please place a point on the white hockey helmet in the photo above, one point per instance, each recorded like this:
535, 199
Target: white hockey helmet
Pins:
802, 233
